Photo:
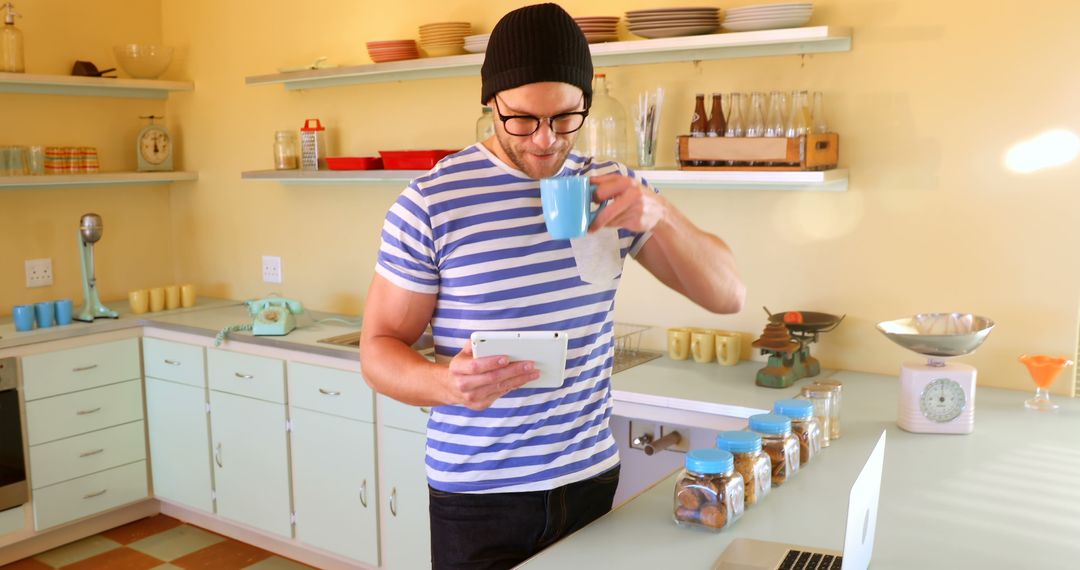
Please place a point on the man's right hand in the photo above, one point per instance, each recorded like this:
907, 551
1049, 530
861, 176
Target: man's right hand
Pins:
477, 382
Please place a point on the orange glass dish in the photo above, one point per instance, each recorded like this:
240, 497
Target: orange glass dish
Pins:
1044, 370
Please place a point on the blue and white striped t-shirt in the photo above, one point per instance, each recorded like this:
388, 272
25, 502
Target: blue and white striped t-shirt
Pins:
471, 231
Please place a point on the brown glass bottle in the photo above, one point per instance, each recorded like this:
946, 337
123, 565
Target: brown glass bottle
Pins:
700, 123
717, 122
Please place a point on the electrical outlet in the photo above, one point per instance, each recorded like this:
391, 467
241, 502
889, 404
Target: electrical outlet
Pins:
39, 272
271, 269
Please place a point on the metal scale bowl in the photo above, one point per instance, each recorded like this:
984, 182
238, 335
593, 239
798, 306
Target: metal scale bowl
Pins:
793, 361
937, 396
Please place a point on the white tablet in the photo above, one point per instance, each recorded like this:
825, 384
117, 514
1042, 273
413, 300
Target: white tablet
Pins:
545, 348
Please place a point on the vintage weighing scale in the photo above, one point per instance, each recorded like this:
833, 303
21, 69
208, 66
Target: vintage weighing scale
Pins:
937, 396
787, 345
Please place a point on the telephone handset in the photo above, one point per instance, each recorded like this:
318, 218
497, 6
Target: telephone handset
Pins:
272, 316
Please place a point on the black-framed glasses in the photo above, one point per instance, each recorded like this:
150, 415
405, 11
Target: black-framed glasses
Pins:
527, 125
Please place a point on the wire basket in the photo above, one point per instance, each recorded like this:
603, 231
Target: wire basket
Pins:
628, 351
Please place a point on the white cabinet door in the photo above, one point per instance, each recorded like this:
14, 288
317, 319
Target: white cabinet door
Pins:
333, 462
179, 443
251, 465
404, 501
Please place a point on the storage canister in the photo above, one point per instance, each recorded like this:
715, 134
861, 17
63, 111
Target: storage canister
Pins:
313, 146
822, 398
837, 389
708, 491
285, 150
750, 462
778, 442
803, 425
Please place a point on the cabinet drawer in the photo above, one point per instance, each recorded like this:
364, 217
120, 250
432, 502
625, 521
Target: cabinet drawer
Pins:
89, 495
174, 361
246, 375
330, 391
73, 457
72, 414
393, 413
80, 368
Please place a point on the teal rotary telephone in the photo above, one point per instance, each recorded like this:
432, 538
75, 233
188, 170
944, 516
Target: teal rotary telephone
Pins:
272, 316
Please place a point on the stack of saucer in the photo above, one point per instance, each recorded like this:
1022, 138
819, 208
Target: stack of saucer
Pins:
392, 50
444, 38
673, 22
477, 43
767, 16
599, 28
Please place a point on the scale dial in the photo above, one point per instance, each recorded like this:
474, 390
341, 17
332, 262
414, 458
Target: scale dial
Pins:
942, 400
155, 146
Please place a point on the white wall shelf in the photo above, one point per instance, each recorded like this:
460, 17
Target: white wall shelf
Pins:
815, 39
835, 180
90, 86
101, 179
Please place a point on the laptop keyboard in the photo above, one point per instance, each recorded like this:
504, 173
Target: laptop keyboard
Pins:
800, 560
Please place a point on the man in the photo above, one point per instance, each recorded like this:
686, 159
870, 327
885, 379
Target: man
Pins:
512, 469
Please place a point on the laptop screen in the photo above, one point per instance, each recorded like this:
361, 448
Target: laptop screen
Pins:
862, 510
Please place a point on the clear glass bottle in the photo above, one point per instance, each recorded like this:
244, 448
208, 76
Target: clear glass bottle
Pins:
11, 42
798, 123
285, 157
485, 125
750, 462
736, 127
604, 135
779, 443
803, 425
755, 125
817, 115
709, 493
774, 119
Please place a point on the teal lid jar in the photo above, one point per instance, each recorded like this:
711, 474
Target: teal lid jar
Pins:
750, 462
709, 493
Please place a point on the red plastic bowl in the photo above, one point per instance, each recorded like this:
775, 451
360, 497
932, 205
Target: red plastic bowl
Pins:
354, 163
412, 159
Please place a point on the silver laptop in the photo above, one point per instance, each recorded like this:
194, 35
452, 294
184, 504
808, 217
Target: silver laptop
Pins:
749, 554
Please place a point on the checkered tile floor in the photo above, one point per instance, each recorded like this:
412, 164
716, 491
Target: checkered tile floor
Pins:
156, 542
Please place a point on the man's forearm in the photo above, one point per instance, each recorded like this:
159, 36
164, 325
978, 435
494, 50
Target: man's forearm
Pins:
395, 370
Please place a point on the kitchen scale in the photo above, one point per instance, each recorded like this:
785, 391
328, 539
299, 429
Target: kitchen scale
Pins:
937, 396
787, 345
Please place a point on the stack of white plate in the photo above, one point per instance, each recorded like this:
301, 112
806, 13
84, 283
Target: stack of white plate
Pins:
767, 16
392, 50
672, 22
477, 43
444, 38
599, 28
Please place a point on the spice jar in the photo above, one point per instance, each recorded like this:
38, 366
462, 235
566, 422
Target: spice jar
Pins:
285, 157
821, 397
803, 425
750, 462
708, 492
837, 389
781, 446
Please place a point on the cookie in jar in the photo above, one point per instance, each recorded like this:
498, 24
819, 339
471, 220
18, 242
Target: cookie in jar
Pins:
750, 462
709, 493
779, 444
803, 425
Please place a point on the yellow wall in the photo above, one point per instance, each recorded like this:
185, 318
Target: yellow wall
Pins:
927, 102
136, 249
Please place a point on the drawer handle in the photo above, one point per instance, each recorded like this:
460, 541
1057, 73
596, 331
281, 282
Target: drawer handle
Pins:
84, 368
172, 362
88, 412
393, 501
92, 495
89, 453
244, 376
427, 411
217, 456
326, 392
363, 493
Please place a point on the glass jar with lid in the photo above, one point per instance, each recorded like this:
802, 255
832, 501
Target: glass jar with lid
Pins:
803, 425
285, 156
779, 444
822, 398
837, 389
709, 493
750, 462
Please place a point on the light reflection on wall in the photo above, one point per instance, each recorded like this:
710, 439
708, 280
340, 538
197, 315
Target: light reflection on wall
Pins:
1047, 150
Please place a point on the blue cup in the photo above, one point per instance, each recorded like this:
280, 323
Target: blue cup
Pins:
46, 314
24, 317
63, 312
567, 203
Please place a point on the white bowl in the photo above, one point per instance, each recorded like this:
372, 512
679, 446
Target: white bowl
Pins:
143, 61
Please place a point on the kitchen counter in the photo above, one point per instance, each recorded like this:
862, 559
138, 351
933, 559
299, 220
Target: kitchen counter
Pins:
1005, 496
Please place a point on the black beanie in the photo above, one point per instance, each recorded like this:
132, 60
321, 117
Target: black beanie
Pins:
533, 44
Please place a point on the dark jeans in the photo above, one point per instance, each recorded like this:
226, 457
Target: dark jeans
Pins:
501, 530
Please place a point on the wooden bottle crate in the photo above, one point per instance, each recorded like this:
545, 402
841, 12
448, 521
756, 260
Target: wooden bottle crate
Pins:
809, 152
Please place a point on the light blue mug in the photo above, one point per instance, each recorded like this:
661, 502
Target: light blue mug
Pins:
46, 314
63, 312
23, 315
567, 203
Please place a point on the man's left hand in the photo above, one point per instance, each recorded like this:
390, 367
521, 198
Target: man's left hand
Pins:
631, 205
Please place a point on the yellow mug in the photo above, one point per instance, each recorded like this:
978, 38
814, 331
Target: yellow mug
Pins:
172, 297
157, 299
703, 345
187, 295
728, 347
678, 343
139, 301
